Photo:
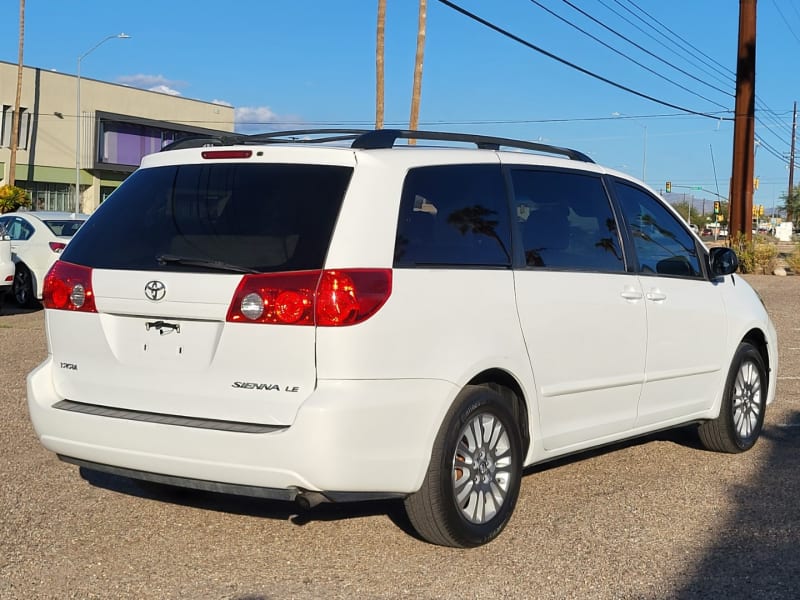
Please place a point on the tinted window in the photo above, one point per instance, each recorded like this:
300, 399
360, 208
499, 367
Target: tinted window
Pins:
453, 215
565, 221
265, 217
18, 229
662, 243
64, 228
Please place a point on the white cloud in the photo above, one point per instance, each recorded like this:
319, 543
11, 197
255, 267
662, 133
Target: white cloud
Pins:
250, 119
164, 89
255, 115
221, 102
153, 83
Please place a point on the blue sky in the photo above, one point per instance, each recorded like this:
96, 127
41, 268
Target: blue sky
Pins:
312, 63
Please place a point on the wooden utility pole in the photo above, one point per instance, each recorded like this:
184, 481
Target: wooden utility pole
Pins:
413, 122
379, 53
12, 161
790, 195
741, 204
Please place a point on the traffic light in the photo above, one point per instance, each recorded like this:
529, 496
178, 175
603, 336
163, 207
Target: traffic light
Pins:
716, 207
760, 209
755, 183
669, 187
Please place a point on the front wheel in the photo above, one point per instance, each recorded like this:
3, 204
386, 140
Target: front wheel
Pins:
22, 288
741, 415
474, 476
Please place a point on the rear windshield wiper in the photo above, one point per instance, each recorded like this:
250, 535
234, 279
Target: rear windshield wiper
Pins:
190, 261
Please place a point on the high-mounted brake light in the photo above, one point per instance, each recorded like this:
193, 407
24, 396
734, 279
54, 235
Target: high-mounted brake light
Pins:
68, 287
326, 298
226, 153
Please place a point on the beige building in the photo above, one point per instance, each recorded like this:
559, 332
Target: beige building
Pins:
118, 125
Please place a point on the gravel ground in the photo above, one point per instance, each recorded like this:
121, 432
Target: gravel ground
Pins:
651, 519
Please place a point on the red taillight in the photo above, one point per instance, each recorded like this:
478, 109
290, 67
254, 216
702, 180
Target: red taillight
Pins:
56, 247
68, 287
226, 153
325, 298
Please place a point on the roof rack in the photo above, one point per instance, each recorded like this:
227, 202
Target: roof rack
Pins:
366, 139
386, 138
201, 140
305, 136
296, 136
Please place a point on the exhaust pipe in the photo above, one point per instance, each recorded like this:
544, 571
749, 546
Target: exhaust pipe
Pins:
308, 500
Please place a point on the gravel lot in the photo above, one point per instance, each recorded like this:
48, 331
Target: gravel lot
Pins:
655, 518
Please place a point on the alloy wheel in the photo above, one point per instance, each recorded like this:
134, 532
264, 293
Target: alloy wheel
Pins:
482, 468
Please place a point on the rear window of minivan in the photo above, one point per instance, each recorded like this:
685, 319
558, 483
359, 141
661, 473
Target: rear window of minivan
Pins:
261, 217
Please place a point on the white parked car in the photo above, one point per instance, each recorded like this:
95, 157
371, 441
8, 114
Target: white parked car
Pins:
37, 240
297, 321
6, 264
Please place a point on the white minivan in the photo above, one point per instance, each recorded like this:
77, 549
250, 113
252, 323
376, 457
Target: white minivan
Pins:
295, 318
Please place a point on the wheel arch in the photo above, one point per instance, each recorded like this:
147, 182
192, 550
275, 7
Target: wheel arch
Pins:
509, 388
35, 285
757, 338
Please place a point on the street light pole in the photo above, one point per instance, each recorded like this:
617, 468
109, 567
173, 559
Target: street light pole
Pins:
618, 115
644, 156
122, 36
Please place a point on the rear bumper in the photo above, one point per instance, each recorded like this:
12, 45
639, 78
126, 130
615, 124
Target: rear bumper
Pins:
370, 437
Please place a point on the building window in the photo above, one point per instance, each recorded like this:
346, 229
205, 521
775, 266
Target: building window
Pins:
8, 124
50, 196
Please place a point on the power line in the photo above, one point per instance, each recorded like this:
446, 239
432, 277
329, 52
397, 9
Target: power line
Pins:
642, 48
622, 54
662, 44
717, 66
789, 27
567, 63
723, 70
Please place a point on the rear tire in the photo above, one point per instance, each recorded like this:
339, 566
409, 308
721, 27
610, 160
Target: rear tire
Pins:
741, 416
22, 288
474, 475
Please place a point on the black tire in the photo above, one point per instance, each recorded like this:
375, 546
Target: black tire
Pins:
22, 288
487, 504
741, 416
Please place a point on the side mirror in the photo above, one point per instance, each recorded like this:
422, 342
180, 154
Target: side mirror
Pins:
723, 261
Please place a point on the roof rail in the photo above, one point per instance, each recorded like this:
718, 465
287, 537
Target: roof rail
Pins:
386, 138
304, 136
366, 139
201, 140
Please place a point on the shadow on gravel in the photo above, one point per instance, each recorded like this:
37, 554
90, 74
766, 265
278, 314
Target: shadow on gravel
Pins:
248, 506
757, 553
683, 436
9, 307
290, 511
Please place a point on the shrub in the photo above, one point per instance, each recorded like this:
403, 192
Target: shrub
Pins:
12, 198
793, 260
756, 256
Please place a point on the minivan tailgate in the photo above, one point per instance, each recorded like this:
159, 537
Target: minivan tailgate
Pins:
153, 347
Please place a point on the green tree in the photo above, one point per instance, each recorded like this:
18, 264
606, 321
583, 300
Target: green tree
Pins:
696, 216
791, 206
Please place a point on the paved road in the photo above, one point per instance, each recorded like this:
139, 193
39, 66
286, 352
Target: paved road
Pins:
652, 519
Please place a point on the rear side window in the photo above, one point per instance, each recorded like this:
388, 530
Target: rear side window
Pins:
264, 217
565, 221
663, 245
17, 228
66, 228
453, 216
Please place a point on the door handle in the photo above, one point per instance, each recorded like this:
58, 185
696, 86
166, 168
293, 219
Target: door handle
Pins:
656, 296
631, 294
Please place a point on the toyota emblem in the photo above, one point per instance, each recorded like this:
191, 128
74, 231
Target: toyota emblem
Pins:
155, 290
